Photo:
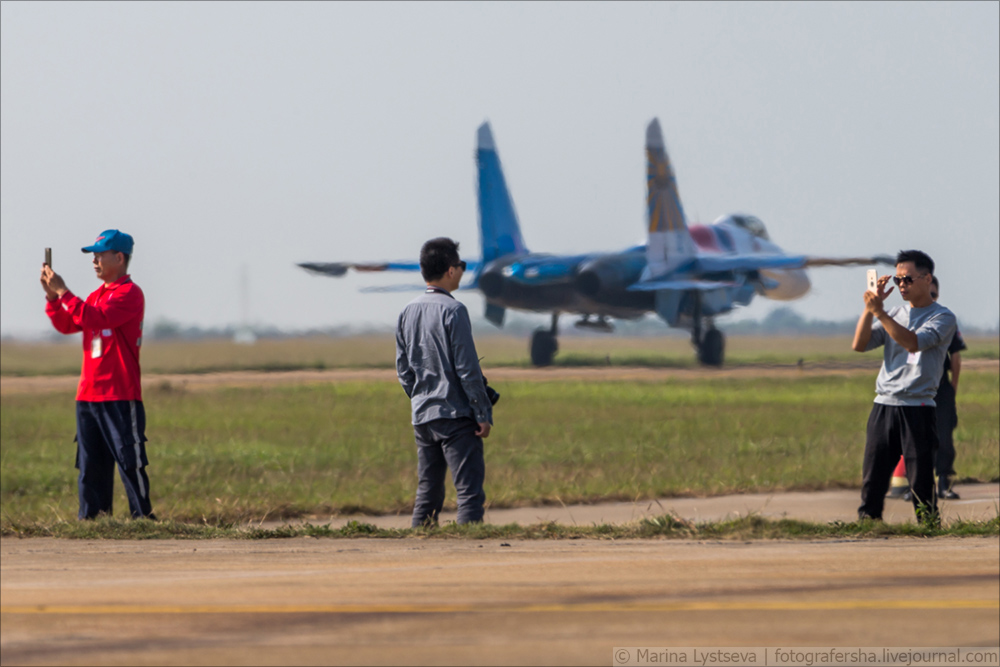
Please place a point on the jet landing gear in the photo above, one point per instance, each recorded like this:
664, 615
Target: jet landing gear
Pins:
711, 346
544, 344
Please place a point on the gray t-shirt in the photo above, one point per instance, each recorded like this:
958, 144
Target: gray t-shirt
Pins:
436, 360
912, 378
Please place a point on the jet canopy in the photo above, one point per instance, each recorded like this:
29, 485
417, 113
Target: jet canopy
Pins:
752, 225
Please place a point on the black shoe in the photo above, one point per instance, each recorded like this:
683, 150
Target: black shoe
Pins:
948, 494
908, 496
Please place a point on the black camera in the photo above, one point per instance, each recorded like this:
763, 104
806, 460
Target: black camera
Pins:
491, 393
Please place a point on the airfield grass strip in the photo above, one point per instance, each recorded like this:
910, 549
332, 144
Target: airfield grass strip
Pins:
240, 455
751, 527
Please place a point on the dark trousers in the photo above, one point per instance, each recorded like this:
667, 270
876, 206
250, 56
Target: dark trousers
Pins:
910, 431
443, 444
947, 420
109, 433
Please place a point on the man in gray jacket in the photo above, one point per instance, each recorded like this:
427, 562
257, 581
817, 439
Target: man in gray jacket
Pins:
437, 365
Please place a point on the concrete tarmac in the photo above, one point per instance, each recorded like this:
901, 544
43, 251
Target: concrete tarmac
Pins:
439, 601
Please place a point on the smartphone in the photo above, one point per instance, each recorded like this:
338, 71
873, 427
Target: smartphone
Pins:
48, 256
873, 281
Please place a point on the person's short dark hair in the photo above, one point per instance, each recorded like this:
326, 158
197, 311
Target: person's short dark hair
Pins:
920, 259
127, 258
437, 256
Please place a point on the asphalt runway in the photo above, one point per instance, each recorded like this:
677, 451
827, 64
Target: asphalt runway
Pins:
434, 601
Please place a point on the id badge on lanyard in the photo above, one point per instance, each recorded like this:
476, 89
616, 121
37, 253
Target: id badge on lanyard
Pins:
95, 345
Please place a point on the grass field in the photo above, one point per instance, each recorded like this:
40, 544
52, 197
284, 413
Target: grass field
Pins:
378, 351
236, 454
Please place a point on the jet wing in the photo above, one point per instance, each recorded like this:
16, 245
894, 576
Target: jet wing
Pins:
712, 264
681, 284
851, 261
386, 289
338, 269
749, 262
408, 287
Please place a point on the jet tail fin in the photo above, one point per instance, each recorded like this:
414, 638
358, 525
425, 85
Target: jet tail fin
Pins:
670, 245
500, 232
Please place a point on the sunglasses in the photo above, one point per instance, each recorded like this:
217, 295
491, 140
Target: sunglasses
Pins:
905, 280
460, 265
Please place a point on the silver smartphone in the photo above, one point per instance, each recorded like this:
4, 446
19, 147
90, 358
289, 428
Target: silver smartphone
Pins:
48, 256
873, 281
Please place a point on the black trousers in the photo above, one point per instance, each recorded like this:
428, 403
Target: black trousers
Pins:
894, 431
947, 420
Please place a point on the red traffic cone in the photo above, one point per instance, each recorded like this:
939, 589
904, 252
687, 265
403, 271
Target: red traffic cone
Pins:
900, 485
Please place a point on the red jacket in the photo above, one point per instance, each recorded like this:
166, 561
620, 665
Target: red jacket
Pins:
111, 322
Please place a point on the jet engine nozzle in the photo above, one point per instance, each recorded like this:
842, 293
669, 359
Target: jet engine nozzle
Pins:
607, 276
491, 284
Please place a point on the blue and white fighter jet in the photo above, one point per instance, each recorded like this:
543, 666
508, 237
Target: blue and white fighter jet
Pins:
686, 274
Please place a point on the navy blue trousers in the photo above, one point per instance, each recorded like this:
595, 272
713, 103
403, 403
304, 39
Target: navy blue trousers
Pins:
443, 444
110, 433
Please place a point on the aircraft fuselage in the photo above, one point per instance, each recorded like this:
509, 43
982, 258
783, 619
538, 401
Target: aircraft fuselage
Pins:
597, 283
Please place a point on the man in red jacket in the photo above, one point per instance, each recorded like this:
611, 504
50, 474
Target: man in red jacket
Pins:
110, 419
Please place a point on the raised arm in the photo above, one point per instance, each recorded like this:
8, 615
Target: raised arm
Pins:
873, 306
59, 316
123, 305
862, 332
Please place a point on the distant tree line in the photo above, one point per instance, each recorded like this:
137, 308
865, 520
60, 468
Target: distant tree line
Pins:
782, 321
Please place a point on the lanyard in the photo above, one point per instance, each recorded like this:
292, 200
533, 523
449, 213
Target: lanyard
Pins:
437, 290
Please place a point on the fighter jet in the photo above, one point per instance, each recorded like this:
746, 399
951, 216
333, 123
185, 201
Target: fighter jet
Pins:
685, 274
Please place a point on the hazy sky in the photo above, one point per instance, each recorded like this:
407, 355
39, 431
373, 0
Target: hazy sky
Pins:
223, 135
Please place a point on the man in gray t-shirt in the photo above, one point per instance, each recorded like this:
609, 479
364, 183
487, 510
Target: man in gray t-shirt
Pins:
437, 365
903, 420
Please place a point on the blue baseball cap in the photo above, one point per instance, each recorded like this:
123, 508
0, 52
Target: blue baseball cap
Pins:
111, 239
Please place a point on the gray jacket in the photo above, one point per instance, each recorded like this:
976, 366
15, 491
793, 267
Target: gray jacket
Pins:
436, 360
